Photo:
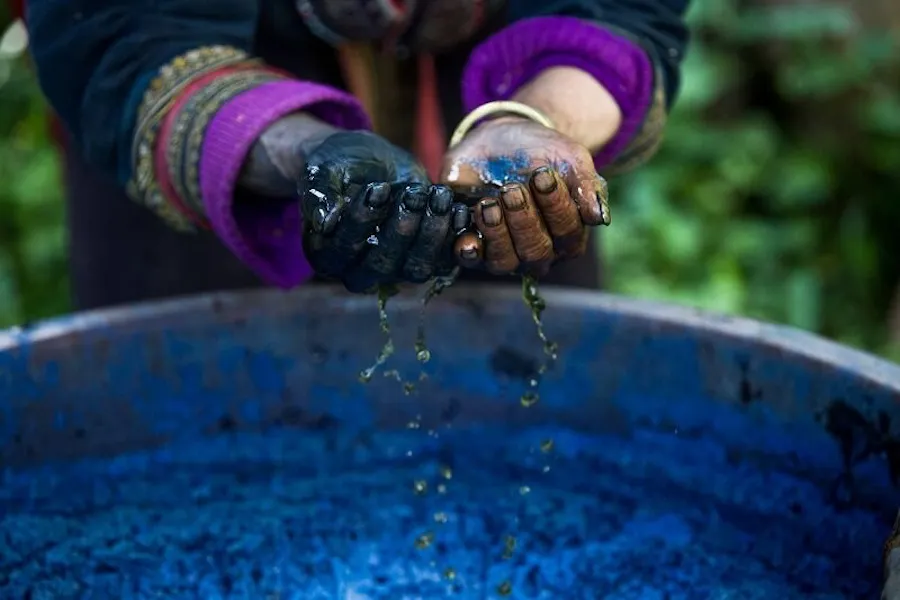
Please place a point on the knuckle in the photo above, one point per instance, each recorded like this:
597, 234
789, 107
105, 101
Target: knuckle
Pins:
558, 204
502, 267
538, 249
502, 260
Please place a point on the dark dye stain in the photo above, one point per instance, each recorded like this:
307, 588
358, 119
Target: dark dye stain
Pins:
226, 423
472, 306
509, 362
324, 422
884, 422
104, 568
892, 452
451, 411
533, 576
80, 433
227, 583
447, 456
746, 393
365, 440
860, 439
318, 353
291, 416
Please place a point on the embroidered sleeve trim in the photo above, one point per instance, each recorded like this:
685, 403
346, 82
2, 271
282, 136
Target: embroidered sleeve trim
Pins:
162, 93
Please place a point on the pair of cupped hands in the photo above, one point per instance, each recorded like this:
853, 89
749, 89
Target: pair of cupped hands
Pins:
514, 198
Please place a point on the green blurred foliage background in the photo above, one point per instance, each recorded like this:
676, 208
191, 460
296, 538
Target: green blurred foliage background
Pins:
776, 194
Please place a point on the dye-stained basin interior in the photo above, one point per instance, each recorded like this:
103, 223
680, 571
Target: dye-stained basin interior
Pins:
221, 447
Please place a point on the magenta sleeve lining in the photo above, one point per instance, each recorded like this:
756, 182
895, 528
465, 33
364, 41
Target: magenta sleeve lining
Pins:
267, 236
515, 55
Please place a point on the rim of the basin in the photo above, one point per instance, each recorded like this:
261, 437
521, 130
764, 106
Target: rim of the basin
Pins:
225, 305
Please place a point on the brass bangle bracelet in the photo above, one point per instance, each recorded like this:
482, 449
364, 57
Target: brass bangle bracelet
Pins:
492, 109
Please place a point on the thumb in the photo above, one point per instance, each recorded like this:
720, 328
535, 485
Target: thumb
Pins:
462, 170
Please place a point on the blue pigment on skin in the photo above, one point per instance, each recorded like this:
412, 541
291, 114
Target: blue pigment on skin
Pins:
303, 515
498, 170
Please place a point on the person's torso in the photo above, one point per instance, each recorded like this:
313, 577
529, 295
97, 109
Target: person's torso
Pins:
301, 36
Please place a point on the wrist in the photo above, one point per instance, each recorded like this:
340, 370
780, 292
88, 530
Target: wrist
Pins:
576, 102
276, 160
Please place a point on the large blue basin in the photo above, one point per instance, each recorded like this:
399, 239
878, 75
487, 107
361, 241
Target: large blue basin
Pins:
222, 447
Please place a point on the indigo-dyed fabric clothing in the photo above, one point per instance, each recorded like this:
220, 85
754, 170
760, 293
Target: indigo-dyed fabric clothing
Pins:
105, 66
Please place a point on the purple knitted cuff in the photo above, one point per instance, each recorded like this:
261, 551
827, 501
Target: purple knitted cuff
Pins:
266, 237
517, 54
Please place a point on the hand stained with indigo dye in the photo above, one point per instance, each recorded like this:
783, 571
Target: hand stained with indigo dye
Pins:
548, 195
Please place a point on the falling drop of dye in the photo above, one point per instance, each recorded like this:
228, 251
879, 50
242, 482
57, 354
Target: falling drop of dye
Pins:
420, 487
509, 547
449, 573
384, 294
424, 541
529, 399
435, 288
505, 588
413, 425
441, 488
524, 490
446, 472
440, 517
547, 446
537, 305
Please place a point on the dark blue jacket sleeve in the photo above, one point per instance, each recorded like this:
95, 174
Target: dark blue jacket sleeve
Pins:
95, 58
657, 24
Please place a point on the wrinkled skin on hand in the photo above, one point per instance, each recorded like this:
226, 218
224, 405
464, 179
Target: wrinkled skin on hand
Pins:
371, 216
549, 195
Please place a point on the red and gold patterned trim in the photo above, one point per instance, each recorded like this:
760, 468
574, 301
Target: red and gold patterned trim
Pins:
160, 96
185, 139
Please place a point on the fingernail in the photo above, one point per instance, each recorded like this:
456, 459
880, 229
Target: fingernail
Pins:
318, 221
491, 213
513, 197
466, 247
544, 181
441, 199
377, 194
415, 197
605, 216
461, 217
602, 186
